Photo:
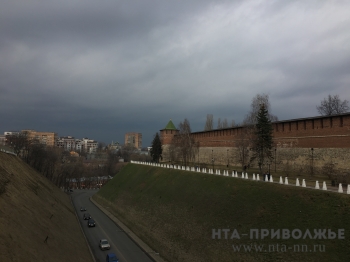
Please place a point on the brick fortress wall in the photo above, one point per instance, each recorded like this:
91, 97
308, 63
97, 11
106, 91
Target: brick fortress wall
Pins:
298, 142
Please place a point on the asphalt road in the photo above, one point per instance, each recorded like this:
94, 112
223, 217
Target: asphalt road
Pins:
125, 249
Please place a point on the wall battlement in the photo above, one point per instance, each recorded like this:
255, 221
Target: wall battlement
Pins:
329, 133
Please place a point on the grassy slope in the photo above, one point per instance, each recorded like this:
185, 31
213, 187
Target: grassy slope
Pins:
175, 211
32, 208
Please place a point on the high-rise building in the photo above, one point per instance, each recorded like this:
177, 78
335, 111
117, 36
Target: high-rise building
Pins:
133, 139
46, 138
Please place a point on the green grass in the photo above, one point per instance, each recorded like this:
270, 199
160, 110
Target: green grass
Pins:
175, 211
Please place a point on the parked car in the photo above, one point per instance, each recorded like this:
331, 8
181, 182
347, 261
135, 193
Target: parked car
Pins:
91, 223
104, 245
111, 257
86, 216
82, 209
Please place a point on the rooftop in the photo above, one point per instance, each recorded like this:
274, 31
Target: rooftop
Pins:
170, 126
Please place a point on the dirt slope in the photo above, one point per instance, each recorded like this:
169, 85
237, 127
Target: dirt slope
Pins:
33, 210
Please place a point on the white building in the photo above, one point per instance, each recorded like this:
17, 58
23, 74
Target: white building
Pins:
70, 143
90, 145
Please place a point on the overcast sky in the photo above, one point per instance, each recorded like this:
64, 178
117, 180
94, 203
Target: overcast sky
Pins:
99, 69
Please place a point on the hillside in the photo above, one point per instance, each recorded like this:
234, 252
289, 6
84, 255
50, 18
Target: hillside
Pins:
175, 211
33, 210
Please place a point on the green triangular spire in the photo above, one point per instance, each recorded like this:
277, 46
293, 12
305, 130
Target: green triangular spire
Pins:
170, 125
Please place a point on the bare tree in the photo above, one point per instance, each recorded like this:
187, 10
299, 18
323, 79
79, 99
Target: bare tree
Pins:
36, 155
101, 146
209, 123
219, 123
172, 152
332, 105
126, 152
257, 101
19, 142
184, 143
111, 163
243, 143
224, 123
52, 159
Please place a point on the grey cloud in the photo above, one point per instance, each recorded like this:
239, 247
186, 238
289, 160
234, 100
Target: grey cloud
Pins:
102, 68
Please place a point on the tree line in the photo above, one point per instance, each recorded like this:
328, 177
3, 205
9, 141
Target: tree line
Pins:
59, 166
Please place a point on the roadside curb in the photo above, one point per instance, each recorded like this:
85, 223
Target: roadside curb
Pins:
144, 247
82, 231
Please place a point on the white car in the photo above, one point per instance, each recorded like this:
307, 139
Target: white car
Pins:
104, 245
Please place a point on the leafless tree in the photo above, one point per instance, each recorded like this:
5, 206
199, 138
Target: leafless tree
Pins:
101, 146
172, 152
257, 101
243, 144
19, 142
184, 142
332, 105
52, 160
36, 155
224, 123
126, 152
219, 123
209, 123
111, 163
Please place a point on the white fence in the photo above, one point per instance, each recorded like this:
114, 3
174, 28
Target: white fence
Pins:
254, 176
7, 152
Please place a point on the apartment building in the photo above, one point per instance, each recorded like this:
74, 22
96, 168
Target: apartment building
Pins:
89, 145
67, 143
46, 138
133, 139
70, 143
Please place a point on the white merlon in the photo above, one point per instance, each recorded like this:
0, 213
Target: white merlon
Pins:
324, 186
340, 189
317, 186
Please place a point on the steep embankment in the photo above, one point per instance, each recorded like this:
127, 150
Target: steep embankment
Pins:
175, 211
33, 210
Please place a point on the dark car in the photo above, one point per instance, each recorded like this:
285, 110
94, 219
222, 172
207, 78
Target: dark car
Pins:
111, 257
91, 223
86, 216
82, 209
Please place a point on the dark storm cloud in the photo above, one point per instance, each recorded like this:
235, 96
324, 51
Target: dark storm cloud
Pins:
99, 69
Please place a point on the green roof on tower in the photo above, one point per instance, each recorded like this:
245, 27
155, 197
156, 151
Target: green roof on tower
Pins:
170, 126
